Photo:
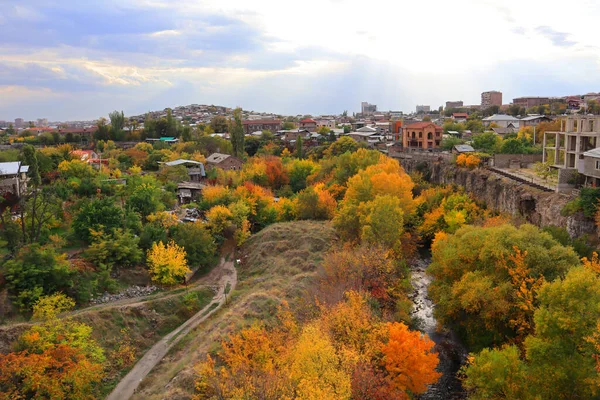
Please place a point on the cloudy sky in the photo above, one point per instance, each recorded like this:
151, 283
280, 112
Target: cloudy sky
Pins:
82, 59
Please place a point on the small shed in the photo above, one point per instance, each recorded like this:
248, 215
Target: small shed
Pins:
462, 148
189, 191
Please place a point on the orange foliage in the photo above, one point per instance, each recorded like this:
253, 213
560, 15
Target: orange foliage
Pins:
58, 372
409, 359
276, 174
593, 264
469, 161
525, 288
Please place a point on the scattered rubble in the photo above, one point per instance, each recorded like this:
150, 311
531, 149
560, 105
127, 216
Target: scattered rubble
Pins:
129, 293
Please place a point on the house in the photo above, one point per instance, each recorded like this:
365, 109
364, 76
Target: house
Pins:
366, 137
13, 177
504, 131
195, 169
460, 117
254, 125
501, 120
85, 155
462, 148
224, 161
308, 124
292, 135
189, 191
422, 135
534, 120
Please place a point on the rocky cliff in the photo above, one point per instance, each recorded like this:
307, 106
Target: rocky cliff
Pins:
503, 194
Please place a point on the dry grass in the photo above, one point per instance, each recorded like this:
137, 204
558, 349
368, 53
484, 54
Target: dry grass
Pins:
278, 263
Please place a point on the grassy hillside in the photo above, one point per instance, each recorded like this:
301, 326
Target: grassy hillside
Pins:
276, 264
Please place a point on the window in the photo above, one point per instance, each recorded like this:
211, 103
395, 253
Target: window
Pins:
429, 136
420, 135
597, 164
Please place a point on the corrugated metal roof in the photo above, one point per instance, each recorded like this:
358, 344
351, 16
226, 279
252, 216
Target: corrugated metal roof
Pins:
183, 162
464, 148
595, 153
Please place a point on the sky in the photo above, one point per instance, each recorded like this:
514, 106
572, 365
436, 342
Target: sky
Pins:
70, 60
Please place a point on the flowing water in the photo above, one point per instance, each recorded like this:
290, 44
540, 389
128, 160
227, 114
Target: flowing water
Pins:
451, 352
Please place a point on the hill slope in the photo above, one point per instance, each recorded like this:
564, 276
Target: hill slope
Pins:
277, 264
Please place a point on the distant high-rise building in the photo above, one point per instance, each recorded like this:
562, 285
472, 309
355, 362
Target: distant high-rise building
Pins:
454, 104
366, 108
19, 122
491, 98
423, 109
42, 122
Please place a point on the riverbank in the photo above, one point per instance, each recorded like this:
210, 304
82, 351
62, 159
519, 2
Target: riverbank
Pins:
451, 352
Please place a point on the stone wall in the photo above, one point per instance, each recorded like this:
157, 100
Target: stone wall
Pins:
504, 160
505, 195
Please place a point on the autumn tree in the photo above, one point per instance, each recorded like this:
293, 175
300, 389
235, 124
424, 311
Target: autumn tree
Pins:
196, 240
167, 263
478, 276
97, 215
54, 359
409, 359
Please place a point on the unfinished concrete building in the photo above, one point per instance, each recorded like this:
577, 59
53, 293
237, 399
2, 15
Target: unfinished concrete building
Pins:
565, 149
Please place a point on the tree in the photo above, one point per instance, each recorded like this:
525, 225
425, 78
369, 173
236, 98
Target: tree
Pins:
382, 222
474, 290
512, 146
316, 367
10, 130
561, 356
324, 130
36, 271
288, 125
197, 242
341, 146
55, 359
409, 359
237, 133
487, 142
299, 150
146, 199
121, 248
117, 123
97, 215
167, 264
219, 124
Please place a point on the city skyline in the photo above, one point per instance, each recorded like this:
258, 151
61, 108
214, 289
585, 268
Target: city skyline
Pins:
82, 62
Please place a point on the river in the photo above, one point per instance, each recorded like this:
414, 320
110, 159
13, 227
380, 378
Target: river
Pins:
451, 352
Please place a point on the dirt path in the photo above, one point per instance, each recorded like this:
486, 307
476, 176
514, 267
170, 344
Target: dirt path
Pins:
127, 386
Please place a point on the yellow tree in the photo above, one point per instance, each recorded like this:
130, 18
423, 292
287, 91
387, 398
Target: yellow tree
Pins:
167, 264
317, 368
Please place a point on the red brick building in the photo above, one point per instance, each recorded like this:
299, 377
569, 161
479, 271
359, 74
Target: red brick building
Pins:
422, 135
308, 124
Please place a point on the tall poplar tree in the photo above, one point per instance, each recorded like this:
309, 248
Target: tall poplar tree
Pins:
237, 133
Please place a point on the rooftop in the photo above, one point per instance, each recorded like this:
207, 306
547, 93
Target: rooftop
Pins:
501, 117
595, 153
216, 158
12, 168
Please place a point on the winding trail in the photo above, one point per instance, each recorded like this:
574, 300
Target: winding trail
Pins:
127, 386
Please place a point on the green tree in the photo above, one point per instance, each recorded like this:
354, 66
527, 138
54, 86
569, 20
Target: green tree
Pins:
299, 150
288, 125
34, 272
198, 243
219, 124
118, 249
97, 215
487, 142
512, 146
146, 199
237, 134
117, 123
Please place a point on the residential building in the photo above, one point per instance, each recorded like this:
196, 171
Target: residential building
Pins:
189, 191
454, 104
423, 109
224, 161
85, 155
534, 120
422, 135
366, 108
503, 121
308, 124
591, 167
42, 122
396, 130
460, 117
13, 177
566, 148
292, 135
272, 125
328, 123
366, 134
19, 123
529, 102
195, 169
491, 98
